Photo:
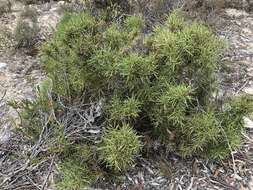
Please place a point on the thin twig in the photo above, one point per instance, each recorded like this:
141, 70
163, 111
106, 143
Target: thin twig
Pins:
5, 92
249, 139
36, 185
230, 148
191, 184
222, 183
49, 172
242, 87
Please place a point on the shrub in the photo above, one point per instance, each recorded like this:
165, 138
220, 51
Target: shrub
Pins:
164, 79
27, 29
119, 147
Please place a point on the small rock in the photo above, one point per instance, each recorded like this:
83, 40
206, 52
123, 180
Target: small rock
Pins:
236, 176
2, 65
5, 134
249, 90
250, 73
236, 13
61, 3
248, 123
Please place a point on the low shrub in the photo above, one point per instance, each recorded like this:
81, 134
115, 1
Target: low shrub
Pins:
27, 29
165, 78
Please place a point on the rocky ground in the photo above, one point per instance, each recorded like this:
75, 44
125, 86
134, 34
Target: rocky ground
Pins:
19, 72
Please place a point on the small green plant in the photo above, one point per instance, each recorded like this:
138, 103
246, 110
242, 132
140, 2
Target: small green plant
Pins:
34, 112
30, 118
27, 29
75, 175
119, 147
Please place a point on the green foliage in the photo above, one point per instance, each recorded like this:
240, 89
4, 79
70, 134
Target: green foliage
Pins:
44, 94
218, 133
175, 21
171, 106
34, 112
27, 29
164, 79
75, 175
202, 130
84, 51
30, 118
156, 84
231, 126
119, 147
124, 110
188, 52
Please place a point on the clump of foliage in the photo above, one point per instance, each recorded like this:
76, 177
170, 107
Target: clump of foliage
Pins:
118, 148
231, 126
166, 79
42, 124
27, 29
35, 114
75, 175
